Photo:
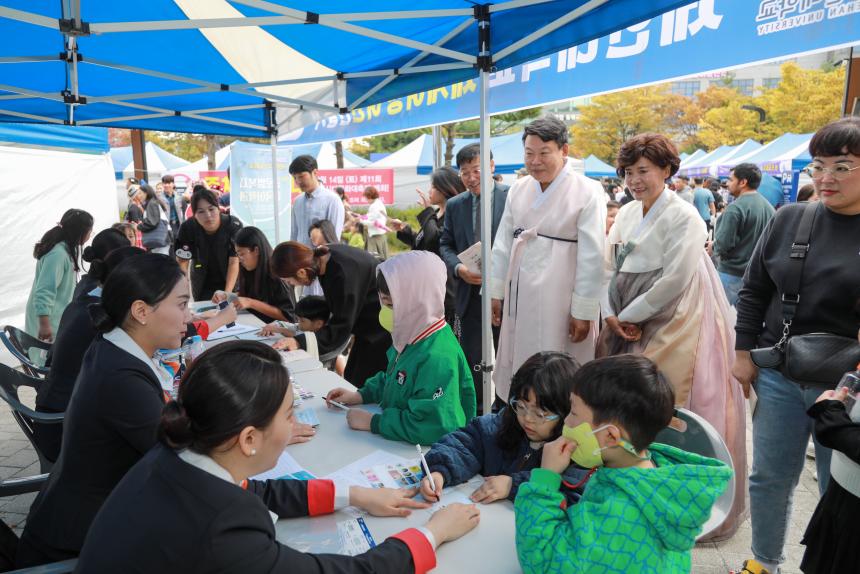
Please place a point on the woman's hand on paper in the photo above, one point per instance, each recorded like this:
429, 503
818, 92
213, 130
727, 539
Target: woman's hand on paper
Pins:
453, 521
286, 344
344, 397
302, 433
386, 501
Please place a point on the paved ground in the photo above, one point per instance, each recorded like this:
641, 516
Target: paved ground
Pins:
17, 458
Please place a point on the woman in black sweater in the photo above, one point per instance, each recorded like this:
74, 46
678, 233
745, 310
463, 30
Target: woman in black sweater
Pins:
445, 183
348, 278
114, 411
188, 504
829, 287
261, 292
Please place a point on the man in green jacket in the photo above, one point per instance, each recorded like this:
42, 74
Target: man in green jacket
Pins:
427, 390
739, 227
643, 505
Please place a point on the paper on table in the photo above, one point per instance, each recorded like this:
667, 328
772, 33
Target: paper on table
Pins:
236, 329
355, 538
347, 537
308, 417
294, 356
352, 473
471, 258
287, 467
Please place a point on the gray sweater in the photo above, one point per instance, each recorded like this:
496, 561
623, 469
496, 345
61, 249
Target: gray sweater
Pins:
738, 230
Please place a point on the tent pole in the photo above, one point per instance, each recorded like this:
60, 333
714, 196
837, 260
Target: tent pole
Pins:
487, 185
276, 199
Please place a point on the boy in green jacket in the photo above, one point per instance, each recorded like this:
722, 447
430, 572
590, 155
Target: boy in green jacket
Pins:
643, 505
426, 391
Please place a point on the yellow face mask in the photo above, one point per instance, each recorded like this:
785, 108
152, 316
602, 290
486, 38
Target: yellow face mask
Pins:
386, 318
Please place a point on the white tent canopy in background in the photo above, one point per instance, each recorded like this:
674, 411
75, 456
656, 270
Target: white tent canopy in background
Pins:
324, 153
158, 162
37, 187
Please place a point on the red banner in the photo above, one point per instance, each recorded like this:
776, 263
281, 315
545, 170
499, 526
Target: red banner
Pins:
354, 181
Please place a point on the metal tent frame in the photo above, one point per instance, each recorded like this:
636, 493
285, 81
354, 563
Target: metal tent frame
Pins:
72, 27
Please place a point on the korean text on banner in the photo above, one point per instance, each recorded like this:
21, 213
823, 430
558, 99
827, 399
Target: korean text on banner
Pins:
251, 198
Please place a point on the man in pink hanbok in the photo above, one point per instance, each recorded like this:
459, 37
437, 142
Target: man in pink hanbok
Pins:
547, 263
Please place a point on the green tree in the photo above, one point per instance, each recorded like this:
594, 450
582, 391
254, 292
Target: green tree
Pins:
611, 119
385, 143
804, 100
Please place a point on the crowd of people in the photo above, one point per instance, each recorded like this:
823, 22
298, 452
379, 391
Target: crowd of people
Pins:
608, 313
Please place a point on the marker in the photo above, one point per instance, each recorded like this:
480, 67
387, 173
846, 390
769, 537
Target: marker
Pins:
426, 468
335, 403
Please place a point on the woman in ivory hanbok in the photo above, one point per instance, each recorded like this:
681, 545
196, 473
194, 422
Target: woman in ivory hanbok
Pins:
665, 300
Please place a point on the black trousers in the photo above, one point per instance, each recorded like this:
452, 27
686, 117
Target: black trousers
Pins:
470, 341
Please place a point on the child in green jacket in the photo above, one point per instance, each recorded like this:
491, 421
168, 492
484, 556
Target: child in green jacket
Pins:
427, 390
643, 505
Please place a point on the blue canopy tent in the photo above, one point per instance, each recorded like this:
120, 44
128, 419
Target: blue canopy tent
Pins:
596, 167
252, 67
782, 158
691, 158
85, 140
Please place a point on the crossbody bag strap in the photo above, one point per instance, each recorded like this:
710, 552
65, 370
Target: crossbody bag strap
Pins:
790, 297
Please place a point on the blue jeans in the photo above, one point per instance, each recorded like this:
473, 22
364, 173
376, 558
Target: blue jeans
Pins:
781, 430
731, 285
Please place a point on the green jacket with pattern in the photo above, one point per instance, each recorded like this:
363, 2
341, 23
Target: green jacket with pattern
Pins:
628, 521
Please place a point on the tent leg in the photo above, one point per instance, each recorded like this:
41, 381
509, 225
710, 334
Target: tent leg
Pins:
275, 198
487, 185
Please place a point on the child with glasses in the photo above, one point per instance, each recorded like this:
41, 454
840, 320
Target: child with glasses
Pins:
504, 447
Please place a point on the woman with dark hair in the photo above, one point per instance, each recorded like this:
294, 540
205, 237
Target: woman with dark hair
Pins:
445, 183
348, 278
114, 412
322, 232
504, 447
205, 242
233, 420
261, 292
154, 225
74, 335
665, 299
58, 254
103, 243
818, 284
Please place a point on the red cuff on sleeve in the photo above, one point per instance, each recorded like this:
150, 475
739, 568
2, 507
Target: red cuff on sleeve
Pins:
320, 497
422, 552
202, 329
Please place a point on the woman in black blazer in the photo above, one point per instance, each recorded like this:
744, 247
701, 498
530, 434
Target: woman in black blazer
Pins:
116, 405
188, 505
348, 278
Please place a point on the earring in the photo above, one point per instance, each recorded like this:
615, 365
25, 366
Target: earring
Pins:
253, 451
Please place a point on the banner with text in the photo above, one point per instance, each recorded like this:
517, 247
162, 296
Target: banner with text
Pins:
704, 36
251, 199
354, 182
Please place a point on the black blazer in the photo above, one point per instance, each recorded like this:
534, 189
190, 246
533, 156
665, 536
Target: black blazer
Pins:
110, 423
168, 516
458, 234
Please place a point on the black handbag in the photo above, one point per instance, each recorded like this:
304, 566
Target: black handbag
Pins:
812, 358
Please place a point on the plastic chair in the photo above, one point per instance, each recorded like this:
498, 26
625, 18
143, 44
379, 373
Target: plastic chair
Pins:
10, 381
19, 344
328, 359
698, 436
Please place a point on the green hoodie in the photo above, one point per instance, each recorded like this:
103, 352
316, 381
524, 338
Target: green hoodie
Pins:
629, 520
425, 393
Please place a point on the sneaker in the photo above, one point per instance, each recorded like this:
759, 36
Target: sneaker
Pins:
753, 567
